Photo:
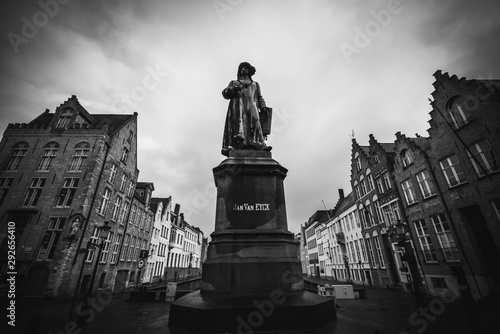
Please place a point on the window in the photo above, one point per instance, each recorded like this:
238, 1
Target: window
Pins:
105, 249
387, 181
369, 213
379, 252
132, 249
81, 153
123, 182
64, 118
362, 215
116, 208
356, 189
482, 154
18, 153
116, 246
409, 192
439, 283
67, 192
369, 179
34, 191
452, 171
356, 246
125, 247
363, 185
130, 136
132, 214
424, 240
445, 237
357, 161
112, 174
370, 251
363, 249
124, 155
376, 158
123, 213
391, 213
406, 158
131, 188
51, 239
379, 185
378, 211
93, 239
457, 111
105, 201
49, 152
5, 184
426, 184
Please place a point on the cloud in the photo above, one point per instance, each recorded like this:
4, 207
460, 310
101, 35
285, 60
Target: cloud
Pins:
102, 51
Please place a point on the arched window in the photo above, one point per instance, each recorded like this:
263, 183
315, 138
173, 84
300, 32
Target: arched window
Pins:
64, 118
458, 110
18, 153
49, 153
357, 161
369, 178
406, 158
81, 153
356, 189
363, 185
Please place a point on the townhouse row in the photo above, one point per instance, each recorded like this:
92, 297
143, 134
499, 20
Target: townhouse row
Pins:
424, 212
69, 185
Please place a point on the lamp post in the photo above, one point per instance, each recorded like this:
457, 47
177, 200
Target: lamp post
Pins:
361, 272
104, 232
397, 233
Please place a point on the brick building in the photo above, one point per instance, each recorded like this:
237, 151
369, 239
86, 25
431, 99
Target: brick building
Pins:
133, 235
464, 132
378, 204
62, 175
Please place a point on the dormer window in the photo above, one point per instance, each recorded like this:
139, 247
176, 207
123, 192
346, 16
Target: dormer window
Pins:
357, 161
64, 118
457, 110
406, 158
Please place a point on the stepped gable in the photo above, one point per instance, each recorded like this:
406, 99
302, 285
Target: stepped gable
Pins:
446, 87
111, 123
416, 144
444, 81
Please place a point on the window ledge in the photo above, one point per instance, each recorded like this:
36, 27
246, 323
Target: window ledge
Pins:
457, 185
429, 197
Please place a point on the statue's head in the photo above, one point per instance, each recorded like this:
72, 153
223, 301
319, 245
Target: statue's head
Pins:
250, 69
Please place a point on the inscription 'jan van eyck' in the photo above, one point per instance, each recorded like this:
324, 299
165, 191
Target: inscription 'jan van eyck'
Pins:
252, 207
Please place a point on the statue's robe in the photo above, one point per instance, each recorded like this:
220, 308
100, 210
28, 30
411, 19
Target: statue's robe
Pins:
242, 129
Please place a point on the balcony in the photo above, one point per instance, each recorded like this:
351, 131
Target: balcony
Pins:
451, 254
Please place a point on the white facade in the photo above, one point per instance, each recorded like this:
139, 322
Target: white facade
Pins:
158, 248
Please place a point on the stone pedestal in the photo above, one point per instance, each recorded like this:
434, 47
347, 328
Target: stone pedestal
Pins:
252, 278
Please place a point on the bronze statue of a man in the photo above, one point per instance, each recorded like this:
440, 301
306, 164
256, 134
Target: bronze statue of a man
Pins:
243, 128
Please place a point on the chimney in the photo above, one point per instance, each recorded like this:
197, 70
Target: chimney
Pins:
341, 193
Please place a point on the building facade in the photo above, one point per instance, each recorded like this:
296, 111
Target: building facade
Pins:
63, 176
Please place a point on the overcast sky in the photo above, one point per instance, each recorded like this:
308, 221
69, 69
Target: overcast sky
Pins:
327, 68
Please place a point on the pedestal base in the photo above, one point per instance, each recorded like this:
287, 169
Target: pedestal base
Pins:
251, 313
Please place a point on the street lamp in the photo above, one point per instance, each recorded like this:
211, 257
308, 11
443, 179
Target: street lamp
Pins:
361, 272
104, 235
398, 233
104, 232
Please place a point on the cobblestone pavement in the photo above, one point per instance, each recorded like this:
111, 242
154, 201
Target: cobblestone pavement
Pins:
388, 310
